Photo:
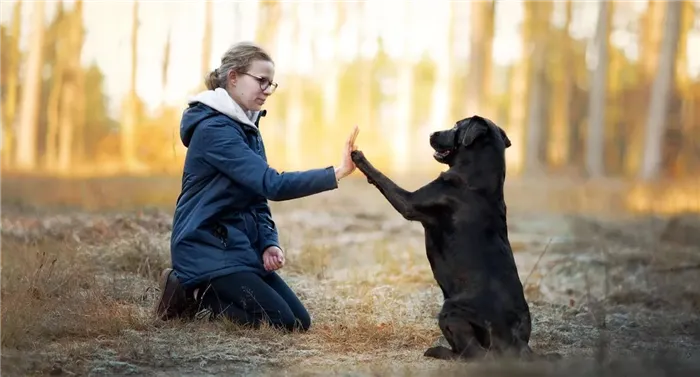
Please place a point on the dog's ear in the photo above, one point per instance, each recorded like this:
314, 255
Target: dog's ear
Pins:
476, 128
506, 140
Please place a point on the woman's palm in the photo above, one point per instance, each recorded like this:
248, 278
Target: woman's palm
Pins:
349, 147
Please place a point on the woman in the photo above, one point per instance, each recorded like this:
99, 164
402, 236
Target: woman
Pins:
224, 244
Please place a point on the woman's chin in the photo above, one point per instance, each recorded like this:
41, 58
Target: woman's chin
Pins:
256, 106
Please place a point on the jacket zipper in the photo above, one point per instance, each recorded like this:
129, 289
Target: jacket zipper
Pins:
222, 236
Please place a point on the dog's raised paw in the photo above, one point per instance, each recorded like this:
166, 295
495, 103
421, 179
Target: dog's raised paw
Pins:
357, 156
440, 352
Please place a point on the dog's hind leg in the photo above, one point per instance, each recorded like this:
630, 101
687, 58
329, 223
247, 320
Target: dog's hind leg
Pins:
462, 337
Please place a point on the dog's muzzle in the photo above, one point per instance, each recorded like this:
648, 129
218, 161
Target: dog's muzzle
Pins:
441, 151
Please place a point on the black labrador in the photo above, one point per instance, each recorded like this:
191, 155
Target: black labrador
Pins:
463, 213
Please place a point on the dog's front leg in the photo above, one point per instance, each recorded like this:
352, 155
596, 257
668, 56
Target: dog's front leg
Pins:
411, 205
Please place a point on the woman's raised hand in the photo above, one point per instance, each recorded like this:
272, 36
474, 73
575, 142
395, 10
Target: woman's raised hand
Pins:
346, 166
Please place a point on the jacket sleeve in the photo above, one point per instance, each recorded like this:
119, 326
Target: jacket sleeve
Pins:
266, 227
225, 148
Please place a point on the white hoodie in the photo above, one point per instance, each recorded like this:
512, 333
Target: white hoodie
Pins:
220, 101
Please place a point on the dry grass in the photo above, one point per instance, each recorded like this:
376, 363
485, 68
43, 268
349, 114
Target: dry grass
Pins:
78, 287
49, 295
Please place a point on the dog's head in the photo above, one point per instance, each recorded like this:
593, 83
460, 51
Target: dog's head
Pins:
470, 134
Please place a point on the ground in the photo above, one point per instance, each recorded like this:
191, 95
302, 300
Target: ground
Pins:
609, 291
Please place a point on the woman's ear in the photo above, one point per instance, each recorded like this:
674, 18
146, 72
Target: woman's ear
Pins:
232, 77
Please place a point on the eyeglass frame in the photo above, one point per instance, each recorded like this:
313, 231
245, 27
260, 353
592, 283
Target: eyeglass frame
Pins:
262, 80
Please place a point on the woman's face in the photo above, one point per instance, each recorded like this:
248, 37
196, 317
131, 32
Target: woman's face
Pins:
251, 88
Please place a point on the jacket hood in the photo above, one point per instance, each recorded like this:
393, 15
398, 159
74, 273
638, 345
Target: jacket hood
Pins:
217, 102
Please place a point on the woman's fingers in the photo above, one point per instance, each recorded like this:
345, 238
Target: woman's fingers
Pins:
353, 136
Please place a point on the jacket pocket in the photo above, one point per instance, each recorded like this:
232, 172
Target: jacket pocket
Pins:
237, 228
221, 233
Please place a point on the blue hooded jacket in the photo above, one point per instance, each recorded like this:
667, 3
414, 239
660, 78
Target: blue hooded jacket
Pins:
222, 221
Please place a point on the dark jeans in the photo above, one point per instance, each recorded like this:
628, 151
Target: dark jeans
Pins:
249, 299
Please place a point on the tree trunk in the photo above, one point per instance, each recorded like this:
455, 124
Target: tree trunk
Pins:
129, 121
595, 140
480, 62
295, 103
661, 93
269, 17
9, 107
404, 93
166, 64
649, 44
72, 97
331, 69
31, 93
440, 103
365, 102
206, 42
53, 110
518, 100
79, 121
684, 82
536, 121
56, 43
560, 111
651, 33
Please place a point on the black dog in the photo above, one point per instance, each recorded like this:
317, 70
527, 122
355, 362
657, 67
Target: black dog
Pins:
466, 238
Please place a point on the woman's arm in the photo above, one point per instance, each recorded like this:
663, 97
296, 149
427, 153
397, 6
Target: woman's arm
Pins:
224, 147
267, 230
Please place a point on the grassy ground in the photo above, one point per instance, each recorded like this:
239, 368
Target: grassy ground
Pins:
613, 294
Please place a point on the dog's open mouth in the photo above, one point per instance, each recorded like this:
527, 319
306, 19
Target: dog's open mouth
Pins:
441, 155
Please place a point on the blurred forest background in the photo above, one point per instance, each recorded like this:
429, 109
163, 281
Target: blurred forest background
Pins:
592, 89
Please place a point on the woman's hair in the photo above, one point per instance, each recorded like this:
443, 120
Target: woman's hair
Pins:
237, 58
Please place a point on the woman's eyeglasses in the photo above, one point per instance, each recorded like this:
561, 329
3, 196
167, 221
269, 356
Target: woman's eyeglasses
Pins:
265, 84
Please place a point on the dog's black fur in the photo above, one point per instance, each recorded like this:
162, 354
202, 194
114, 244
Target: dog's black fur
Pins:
466, 238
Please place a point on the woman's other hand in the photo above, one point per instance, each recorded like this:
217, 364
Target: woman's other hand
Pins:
346, 166
273, 258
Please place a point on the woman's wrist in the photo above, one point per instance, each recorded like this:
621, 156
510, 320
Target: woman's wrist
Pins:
338, 174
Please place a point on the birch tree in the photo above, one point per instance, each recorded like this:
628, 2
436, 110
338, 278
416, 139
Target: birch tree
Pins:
57, 39
518, 99
404, 93
128, 128
206, 41
11, 76
649, 44
441, 99
540, 13
560, 110
480, 61
26, 158
72, 98
595, 140
660, 93
685, 88
295, 103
